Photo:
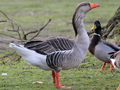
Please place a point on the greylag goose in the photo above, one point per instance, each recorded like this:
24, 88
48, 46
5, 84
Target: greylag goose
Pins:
51, 44
101, 49
115, 58
60, 59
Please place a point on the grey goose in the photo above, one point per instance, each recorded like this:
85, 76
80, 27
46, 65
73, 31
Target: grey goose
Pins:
60, 58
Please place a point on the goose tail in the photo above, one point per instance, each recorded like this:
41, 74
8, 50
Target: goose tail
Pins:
13, 45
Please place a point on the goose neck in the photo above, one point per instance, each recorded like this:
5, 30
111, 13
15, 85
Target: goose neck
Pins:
78, 23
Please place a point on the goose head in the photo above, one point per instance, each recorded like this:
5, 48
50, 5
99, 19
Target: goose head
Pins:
84, 7
97, 27
79, 14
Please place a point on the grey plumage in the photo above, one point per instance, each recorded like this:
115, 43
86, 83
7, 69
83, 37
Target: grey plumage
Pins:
50, 45
55, 60
63, 53
112, 45
59, 53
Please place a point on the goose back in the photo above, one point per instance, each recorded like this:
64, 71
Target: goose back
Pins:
50, 45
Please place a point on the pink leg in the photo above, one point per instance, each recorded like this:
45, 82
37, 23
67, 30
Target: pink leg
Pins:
58, 85
53, 75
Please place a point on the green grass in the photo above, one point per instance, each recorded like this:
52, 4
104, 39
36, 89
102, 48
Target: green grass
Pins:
32, 15
84, 77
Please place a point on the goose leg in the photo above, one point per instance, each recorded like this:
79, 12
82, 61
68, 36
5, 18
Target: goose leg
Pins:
53, 75
111, 66
58, 85
102, 67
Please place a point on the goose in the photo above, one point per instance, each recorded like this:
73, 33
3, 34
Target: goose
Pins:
54, 58
115, 58
101, 49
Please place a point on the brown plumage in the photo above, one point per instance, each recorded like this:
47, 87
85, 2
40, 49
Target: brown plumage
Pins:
95, 41
117, 59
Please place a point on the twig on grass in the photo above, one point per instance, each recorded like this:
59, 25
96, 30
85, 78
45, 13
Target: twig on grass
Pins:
18, 29
3, 21
6, 56
22, 37
40, 30
25, 35
9, 36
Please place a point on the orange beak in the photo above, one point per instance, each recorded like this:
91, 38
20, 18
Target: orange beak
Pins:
92, 5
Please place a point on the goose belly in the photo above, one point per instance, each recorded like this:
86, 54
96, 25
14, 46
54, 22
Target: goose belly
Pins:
37, 61
72, 63
101, 52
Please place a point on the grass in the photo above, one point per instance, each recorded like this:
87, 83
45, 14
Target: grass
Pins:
84, 77
32, 15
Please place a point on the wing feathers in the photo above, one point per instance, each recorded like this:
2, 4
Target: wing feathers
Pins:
50, 45
112, 45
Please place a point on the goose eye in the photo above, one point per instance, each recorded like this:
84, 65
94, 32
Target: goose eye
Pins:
86, 4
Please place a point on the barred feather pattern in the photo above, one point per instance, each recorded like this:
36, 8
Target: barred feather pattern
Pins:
54, 60
50, 45
61, 44
40, 45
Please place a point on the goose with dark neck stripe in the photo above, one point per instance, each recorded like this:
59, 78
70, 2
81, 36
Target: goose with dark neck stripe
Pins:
101, 49
60, 59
